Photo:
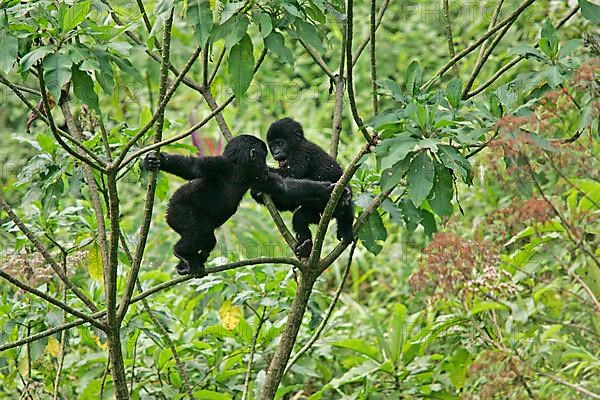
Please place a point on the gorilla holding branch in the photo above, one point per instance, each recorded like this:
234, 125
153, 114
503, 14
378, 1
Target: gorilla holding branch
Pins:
301, 159
214, 190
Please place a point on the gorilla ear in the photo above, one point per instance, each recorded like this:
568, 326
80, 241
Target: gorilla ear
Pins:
252, 154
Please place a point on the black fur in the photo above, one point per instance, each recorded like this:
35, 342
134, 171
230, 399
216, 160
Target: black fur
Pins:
301, 159
215, 188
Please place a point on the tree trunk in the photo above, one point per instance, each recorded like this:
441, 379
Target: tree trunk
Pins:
117, 366
288, 338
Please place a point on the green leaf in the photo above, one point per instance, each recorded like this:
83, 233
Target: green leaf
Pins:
420, 178
200, 17
428, 223
452, 159
310, 35
46, 143
83, 87
528, 51
372, 231
569, 48
411, 214
413, 77
8, 50
549, 33
57, 72
590, 11
440, 198
265, 24
241, 66
397, 332
454, 92
276, 43
75, 15
395, 150
34, 56
239, 30
360, 346
483, 306
553, 76
205, 394
94, 263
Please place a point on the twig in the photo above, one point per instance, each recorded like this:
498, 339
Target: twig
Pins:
573, 386
151, 291
477, 43
151, 188
328, 314
349, 66
449, 36
317, 58
261, 321
147, 23
338, 108
515, 60
63, 334
51, 300
44, 252
484, 51
373, 28
361, 47
217, 65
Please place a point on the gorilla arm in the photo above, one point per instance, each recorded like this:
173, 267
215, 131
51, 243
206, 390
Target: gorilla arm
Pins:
187, 167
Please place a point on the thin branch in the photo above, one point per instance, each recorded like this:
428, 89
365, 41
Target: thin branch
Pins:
142, 9
477, 43
373, 28
328, 314
151, 188
261, 321
47, 256
317, 58
160, 109
338, 108
449, 35
370, 209
515, 60
217, 65
361, 47
349, 66
88, 175
153, 290
51, 300
484, 52
573, 386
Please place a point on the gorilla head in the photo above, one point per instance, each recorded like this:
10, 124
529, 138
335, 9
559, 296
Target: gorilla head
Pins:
284, 137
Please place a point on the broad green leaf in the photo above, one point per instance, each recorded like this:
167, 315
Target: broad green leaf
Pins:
397, 332
428, 222
276, 43
241, 66
454, 92
290, 8
397, 149
265, 24
47, 143
549, 34
94, 263
528, 51
310, 35
238, 32
83, 87
413, 77
420, 178
411, 214
57, 72
590, 11
553, 76
392, 176
372, 231
452, 159
34, 56
569, 48
75, 15
360, 346
200, 17
8, 50
440, 198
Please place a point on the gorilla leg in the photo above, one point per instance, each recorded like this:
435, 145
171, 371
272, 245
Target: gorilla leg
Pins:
344, 215
193, 249
300, 222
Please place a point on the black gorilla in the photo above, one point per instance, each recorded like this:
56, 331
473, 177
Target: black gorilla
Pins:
215, 188
301, 159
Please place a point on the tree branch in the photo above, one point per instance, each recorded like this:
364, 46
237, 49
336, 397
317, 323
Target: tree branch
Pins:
44, 252
449, 35
477, 43
361, 47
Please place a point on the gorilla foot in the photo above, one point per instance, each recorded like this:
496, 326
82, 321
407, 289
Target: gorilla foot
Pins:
345, 235
184, 268
303, 249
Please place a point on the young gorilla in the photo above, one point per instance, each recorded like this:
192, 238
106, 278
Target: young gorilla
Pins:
215, 188
302, 159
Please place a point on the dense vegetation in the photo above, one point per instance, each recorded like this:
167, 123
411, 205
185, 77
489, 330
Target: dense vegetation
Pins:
469, 134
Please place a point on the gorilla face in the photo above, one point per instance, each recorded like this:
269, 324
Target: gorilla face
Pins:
280, 150
283, 137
